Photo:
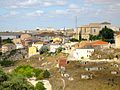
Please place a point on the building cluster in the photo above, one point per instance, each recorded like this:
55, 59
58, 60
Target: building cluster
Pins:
85, 31
54, 39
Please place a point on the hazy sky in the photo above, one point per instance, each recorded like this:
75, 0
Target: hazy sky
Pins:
29, 14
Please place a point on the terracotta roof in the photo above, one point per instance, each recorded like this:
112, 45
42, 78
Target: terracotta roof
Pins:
98, 42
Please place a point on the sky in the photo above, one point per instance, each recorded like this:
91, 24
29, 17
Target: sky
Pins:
30, 14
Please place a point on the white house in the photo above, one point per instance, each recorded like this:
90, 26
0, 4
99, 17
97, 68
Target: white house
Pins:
53, 47
19, 46
83, 53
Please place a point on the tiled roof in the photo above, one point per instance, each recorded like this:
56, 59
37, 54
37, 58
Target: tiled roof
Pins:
98, 42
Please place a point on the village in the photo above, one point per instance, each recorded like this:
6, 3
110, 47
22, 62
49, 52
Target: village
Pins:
74, 59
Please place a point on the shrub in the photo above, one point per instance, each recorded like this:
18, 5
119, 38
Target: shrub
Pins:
6, 63
40, 86
46, 74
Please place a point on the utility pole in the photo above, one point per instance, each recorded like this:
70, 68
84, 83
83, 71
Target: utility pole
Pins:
76, 23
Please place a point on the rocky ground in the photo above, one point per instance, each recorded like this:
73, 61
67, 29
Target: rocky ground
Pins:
105, 76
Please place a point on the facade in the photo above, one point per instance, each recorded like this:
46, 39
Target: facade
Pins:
10, 35
98, 44
117, 41
93, 29
25, 36
38, 45
19, 46
82, 53
53, 47
45, 36
32, 51
86, 30
8, 47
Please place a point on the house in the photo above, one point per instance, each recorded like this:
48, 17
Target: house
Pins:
69, 47
117, 41
45, 36
100, 44
83, 53
57, 40
8, 47
62, 62
25, 36
10, 35
19, 46
93, 29
32, 51
86, 30
53, 47
86, 76
38, 45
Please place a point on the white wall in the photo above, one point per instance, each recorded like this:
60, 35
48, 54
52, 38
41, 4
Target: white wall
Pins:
54, 47
6, 37
19, 46
85, 53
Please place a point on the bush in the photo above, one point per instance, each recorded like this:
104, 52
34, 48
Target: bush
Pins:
37, 72
5, 41
58, 50
40, 86
46, 74
6, 63
28, 71
74, 40
44, 49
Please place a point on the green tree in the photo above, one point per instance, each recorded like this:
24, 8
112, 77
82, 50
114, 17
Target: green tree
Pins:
37, 72
58, 50
5, 41
44, 49
94, 37
12, 82
25, 71
6, 63
46, 74
74, 40
40, 86
3, 76
106, 34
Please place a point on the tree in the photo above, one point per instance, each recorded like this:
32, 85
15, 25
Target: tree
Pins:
5, 41
58, 50
3, 76
6, 63
74, 40
46, 74
44, 49
106, 34
12, 82
94, 37
40, 86
25, 71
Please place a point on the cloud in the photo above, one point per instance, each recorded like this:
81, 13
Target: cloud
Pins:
31, 3
36, 13
60, 12
10, 14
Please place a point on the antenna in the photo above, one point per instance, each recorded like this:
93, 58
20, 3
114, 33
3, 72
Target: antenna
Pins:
75, 23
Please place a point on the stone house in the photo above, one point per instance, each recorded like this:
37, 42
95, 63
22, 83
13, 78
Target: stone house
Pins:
8, 47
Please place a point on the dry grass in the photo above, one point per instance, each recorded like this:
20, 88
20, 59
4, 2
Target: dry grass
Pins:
102, 80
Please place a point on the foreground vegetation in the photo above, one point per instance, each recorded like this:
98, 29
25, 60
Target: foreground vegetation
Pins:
16, 80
